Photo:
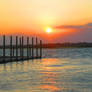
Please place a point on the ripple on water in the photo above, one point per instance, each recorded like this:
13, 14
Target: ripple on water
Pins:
64, 70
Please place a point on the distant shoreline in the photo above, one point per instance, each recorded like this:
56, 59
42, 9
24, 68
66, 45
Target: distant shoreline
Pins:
57, 45
67, 45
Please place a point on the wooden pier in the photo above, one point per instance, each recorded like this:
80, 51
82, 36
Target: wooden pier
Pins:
21, 49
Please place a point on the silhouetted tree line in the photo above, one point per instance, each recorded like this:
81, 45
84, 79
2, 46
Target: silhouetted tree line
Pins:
67, 45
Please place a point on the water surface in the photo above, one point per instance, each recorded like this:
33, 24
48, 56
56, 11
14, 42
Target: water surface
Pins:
61, 70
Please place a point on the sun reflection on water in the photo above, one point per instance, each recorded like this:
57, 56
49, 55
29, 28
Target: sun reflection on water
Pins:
48, 76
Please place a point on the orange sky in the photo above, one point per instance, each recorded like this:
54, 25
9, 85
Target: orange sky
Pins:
34, 16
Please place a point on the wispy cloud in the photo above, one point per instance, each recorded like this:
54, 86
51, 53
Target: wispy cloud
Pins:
80, 33
89, 25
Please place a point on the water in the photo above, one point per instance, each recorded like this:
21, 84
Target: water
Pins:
61, 70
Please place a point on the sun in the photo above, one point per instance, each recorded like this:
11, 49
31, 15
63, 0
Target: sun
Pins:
48, 30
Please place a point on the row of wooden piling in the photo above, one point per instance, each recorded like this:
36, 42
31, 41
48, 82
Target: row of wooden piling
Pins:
19, 48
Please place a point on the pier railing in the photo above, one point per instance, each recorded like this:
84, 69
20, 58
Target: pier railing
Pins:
22, 49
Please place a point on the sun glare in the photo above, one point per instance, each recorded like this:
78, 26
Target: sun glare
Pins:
48, 30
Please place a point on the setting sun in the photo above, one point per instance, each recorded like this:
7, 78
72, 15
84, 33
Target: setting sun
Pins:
48, 30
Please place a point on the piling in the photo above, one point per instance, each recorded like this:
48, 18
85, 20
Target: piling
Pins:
40, 48
11, 48
36, 47
27, 47
32, 47
4, 48
16, 47
22, 48
30, 51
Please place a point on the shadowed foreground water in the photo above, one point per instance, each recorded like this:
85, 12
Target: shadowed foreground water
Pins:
63, 70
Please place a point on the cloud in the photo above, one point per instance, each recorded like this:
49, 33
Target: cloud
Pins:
80, 33
89, 25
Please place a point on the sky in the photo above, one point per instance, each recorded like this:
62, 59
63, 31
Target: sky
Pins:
70, 20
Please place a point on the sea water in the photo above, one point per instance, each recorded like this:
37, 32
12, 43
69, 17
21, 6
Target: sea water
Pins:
60, 70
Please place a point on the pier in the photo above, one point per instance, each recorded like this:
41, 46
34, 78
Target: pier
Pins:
20, 49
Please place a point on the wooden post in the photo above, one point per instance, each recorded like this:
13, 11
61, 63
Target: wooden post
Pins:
13, 50
32, 47
4, 48
10, 47
27, 47
40, 48
30, 50
36, 47
16, 47
22, 48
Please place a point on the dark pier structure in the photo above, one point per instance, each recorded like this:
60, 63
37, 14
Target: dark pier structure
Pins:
19, 50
